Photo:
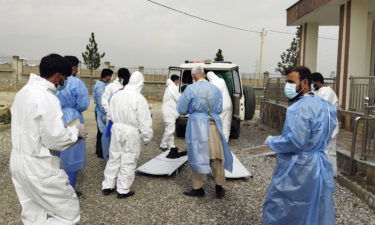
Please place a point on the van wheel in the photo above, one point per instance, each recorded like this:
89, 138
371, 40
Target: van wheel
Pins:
249, 102
180, 128
235, 129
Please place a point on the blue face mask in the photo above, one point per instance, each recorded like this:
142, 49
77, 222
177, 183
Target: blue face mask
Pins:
290, 90
61, 87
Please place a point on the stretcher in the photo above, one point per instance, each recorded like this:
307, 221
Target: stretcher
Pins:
239, 170
161, 165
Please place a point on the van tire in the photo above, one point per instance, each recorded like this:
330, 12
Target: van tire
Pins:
235, 128
250, 103
180, 128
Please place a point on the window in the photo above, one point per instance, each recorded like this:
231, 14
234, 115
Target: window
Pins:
236, 82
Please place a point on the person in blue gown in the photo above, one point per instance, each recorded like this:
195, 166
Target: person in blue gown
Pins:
302, 184
74, 99
100, 113
207, 147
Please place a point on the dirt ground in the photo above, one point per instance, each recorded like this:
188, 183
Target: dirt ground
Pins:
159, 200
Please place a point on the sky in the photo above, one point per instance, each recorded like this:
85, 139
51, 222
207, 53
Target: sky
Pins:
136, 33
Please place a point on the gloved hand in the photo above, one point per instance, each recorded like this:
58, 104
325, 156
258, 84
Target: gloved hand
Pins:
82, 132
146, 142
104, 119
267, 139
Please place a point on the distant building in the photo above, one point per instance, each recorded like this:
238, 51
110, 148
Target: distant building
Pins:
356, 45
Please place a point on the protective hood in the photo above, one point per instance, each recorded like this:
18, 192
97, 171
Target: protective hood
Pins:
212, 76
136, 82
170, 82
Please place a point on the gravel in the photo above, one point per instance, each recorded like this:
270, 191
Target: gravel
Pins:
159, 200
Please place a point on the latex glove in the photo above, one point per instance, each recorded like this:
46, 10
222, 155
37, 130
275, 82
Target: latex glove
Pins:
104, 119
267, 140
146, 142
82, 132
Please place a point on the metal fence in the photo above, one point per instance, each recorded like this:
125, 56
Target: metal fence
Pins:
6, 60
361, 87
275, 91
363, 135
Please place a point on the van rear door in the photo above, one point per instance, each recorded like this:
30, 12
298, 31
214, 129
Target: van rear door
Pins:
237, 94
175, 71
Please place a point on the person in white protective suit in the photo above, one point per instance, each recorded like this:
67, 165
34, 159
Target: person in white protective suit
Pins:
38, 132
131, 117
170, 113
111, 88
226, 114
328, 94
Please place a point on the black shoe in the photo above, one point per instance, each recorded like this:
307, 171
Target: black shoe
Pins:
163, 149
173, 153
195, 193
180, 154
220, 192
78, 193
107, 191
120, 196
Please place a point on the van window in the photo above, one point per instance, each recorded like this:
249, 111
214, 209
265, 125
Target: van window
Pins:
236, 82
174, 72
226, 75
186, 79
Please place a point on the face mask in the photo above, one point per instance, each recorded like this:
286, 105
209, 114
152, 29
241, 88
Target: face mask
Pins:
61, 87
121, 81
290, 90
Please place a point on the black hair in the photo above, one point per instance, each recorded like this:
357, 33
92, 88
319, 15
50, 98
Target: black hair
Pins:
106, 72
52, 64
174, 77
74, 61
304, 73
317, 77
124, 74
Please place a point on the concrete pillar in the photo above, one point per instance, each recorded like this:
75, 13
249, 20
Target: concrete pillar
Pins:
372, 61
107, 65
15, 62
309, 45
266, 76
141, 69
368, 66
354, 56
358, 42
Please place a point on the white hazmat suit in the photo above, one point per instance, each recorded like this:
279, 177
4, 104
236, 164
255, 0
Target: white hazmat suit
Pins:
226, 114
108, 92
132, 122
170, 114
42, 187
329, 95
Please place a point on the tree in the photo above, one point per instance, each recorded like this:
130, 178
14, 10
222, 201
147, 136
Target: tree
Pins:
290, 58
219, 57
91, 57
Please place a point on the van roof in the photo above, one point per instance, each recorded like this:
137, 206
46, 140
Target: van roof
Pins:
212, 66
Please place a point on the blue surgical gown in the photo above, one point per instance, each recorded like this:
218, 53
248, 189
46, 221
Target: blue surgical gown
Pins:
74, 99
200, 100
99, 110
302, 184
